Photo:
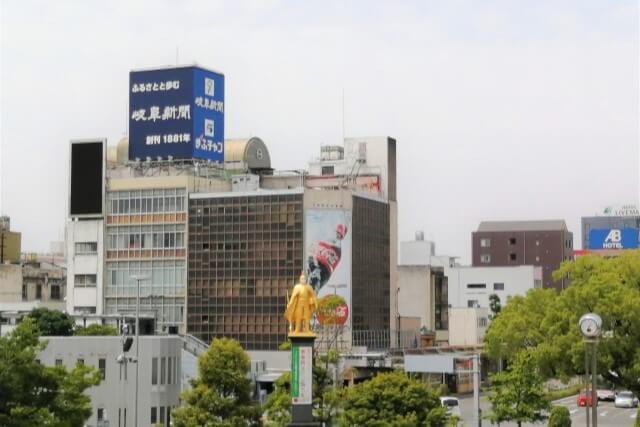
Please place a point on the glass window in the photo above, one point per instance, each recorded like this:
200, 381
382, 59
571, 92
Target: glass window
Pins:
472, 303
85, 280
498, 286
163, 366
100, 414
58, 362
162, 415
485, 243
485, 258
476, 285
102, 365
513, 257
154, 415
154, 371
83, 248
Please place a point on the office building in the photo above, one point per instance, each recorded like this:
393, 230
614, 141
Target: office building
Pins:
247, 248
509, 243
10, 242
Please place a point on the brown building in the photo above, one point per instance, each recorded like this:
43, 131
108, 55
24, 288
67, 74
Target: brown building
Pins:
507, 243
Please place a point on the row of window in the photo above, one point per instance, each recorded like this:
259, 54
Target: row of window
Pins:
168, 372
102, 365
86, 248
85, 280
158, 415
496, 286
146, 201
146, 237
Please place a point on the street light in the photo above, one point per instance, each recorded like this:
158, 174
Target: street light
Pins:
138, 278
591, 326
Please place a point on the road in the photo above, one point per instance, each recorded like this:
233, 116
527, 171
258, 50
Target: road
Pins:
608, 415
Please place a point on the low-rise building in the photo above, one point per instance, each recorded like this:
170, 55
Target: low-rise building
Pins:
467, 326
114, 399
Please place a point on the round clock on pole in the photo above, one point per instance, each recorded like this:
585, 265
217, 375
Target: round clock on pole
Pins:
590, 325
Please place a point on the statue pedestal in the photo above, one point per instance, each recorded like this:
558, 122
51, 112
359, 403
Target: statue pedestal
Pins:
302, 381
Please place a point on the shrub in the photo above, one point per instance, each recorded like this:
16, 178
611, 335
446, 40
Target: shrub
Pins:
560, 417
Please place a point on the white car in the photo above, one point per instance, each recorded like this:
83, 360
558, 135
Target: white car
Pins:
452, 404
625, 399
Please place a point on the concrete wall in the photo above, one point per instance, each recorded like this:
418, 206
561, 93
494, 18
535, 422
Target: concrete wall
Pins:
517, 281
467, 326
416, 294
10, 283
117, 391
85, 231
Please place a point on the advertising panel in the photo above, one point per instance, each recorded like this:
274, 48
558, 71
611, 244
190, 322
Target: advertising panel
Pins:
613, 238
86, 178
176, 112
328, 262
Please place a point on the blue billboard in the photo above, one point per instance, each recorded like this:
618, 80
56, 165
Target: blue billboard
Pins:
613, 238
176, 112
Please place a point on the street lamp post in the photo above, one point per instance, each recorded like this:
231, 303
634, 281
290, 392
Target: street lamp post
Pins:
138, 278
591, 326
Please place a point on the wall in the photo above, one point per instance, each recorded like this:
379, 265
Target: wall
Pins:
10, 283
517, 280
117, 391
85, 231
12, 244
467, 326
416, 294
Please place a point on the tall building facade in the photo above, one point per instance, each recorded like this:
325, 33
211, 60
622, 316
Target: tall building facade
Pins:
540, 243
615, 230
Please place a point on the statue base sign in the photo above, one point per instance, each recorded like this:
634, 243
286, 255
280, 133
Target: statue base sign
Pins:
302, 381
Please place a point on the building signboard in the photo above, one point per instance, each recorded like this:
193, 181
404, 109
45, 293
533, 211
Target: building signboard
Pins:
328, 256
623, 210
613, 238
301, 375
176, 112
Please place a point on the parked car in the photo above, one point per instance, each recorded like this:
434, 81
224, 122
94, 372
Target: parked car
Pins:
606, 394
584, 399
625, 399
452, 404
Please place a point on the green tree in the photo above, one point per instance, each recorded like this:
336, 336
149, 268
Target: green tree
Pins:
560, 417
278, 405
220, 396
494, 305
96, 330
392, 399
32, 394
518, 393
52, 322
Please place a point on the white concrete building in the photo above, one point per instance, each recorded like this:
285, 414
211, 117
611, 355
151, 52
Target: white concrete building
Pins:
85, 266
471, 286
113, 400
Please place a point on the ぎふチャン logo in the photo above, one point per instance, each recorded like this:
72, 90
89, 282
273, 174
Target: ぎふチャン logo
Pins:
613, 240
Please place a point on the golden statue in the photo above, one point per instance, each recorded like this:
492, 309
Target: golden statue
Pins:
300, 308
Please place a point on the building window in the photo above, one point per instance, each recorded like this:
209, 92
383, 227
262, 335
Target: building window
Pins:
154, 371
537, 242
476, 286
85, 280
102, 365
163, 368
327, 170
162, 415
482, 322
512, 240
58, 362
55, 292
80, 362
498, 286
38, 291
472, 303
537, 258
84, 310
86, 248
512, 256
485, 258
154, 415
100, 414
485, 243
24, 292
169, 370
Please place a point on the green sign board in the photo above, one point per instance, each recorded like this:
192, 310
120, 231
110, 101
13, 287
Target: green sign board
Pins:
301, 374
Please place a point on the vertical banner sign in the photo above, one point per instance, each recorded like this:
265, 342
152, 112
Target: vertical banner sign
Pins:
176, 112
301, 375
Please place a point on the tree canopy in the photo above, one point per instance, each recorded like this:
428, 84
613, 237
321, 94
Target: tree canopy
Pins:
518, 393
52, 323
32, 394
96, 329
546, 323
220, 396
391, 399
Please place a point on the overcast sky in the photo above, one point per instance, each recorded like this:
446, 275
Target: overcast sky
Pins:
501, 109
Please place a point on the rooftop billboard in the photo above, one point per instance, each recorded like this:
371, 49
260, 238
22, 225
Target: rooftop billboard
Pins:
176, 112
613, 238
